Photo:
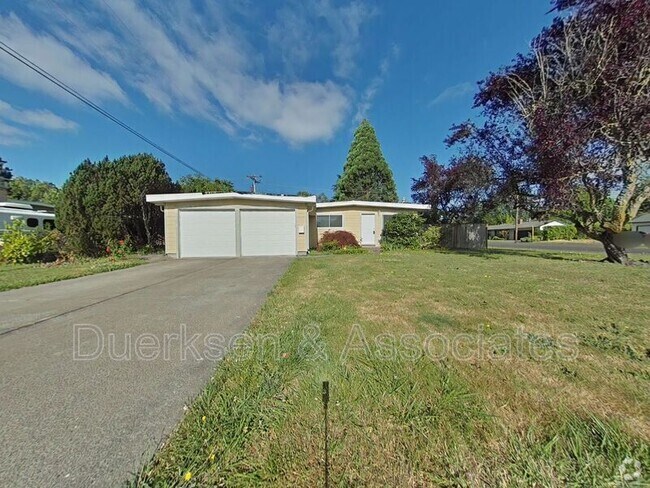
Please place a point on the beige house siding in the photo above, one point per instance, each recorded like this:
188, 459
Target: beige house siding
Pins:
172, 208
302, 230
171, 231
352, 220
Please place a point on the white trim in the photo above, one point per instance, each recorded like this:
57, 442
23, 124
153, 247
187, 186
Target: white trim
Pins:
359, 203
191, 197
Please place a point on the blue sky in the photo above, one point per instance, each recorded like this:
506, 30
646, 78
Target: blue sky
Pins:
240, 86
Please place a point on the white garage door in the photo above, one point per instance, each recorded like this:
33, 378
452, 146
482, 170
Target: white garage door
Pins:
207, 233
268, 233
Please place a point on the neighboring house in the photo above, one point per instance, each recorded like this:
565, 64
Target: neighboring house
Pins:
365, 220
34, 215
235, 224
641, 223
526, 229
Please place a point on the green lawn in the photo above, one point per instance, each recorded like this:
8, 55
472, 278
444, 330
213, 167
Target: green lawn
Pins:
522, 412
20, 275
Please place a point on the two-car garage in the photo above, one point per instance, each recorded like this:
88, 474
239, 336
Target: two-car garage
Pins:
229, 233
232, 224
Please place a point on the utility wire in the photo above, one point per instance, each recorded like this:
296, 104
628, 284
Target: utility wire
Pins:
48, 76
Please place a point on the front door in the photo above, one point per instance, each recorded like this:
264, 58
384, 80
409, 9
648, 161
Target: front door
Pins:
368, 229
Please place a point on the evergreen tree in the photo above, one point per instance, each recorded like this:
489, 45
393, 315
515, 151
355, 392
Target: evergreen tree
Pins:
106, 201
366, 174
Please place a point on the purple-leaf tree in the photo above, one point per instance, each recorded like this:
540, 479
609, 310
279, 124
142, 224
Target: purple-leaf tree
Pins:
581, 97
459, 192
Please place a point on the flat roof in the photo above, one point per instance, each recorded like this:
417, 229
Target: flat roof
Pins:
524, 225
361, 203
191, 197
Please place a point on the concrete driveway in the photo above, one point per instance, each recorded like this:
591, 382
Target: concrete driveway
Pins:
87, 405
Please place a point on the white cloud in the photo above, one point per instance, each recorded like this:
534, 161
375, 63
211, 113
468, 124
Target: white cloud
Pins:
191, 57
35, 118
13, 136
453, 92
346, 22
53, 56
304, 30
369, 94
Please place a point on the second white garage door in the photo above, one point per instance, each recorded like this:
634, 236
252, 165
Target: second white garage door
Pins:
268, 233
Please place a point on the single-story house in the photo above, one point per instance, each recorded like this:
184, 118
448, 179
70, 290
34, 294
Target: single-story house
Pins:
641, 223
526, 229
236, 224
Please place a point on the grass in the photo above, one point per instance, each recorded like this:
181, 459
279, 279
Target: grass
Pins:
20, 275
523, 412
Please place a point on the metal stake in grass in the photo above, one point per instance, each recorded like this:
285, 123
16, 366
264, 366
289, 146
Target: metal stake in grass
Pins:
326, 400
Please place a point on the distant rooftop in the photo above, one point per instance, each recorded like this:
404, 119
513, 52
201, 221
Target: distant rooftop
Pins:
526, 225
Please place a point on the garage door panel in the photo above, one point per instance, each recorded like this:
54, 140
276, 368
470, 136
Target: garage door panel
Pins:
207, 233
268, 233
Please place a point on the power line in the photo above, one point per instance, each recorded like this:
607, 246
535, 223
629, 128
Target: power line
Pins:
53, 79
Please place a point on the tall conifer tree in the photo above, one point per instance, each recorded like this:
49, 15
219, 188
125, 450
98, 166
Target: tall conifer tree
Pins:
366, 174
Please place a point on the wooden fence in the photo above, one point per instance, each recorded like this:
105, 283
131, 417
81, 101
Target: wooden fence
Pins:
464, 236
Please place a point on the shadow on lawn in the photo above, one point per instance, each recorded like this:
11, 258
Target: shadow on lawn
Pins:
500, 253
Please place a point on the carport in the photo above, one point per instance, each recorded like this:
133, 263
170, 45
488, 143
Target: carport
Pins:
234, 224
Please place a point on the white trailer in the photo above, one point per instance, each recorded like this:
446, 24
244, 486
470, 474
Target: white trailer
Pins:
32, 219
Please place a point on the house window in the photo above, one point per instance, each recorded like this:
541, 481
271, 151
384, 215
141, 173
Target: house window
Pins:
329, 221
32, 222
387, 218
48, 224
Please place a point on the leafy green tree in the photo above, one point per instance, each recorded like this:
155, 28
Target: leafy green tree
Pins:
366, 174
322, 198
106, 201
21, 188
202, 184
303, 193
403, 230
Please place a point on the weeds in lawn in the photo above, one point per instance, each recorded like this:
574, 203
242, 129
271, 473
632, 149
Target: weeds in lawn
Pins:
407, 421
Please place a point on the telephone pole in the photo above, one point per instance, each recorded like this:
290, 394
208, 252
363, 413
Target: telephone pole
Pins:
256, 179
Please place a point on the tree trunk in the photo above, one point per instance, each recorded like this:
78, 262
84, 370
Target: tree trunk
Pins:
615, 254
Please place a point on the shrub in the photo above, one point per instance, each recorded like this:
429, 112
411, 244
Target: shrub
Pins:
430, 238
337, 240
23, 246
567, 232
105, 201
119, 249
329, 246
403, 230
